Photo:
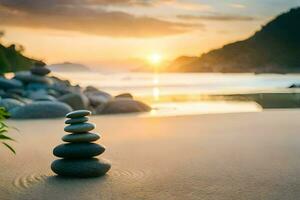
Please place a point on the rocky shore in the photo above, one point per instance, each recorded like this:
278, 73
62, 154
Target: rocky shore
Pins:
35, 94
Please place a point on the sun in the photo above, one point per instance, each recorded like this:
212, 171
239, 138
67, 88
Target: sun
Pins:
155, 58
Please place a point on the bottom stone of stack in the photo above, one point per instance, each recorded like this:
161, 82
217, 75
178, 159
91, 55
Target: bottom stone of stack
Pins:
82, 168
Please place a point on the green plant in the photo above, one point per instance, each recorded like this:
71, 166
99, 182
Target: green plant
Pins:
3, 130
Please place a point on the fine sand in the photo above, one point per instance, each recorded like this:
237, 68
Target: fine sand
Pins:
217, 156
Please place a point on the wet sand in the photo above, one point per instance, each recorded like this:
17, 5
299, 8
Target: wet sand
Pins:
216, 156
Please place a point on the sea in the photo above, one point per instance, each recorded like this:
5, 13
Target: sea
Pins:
176, 93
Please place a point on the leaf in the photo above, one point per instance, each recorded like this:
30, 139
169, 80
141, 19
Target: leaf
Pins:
4, 137
3, 125
3, 113
3, 131
9, 147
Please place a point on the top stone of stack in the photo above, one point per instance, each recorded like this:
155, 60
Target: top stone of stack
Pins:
40, 70
78, 114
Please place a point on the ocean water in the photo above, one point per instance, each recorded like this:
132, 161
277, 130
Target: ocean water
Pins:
154, 87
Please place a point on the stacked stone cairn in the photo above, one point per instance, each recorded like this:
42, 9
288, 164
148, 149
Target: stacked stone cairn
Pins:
79, 151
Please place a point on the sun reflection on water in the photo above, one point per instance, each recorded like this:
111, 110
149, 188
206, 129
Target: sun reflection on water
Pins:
156, 93
155, 90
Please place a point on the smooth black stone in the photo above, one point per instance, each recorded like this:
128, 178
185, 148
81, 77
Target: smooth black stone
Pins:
82, 168
79, 128
76, 120
78, 150
81, 137
41, 71
78, 113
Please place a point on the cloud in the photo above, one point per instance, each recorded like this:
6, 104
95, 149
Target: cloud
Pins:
87, 16
190, 6
217, 17
237, 5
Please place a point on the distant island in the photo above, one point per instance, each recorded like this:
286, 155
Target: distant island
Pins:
273, 49
67, 67
12, 59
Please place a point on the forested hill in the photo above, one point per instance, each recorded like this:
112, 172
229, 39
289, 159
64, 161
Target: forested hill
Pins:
11, 59
273, 49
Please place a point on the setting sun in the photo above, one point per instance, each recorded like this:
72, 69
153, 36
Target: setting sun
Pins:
155, 58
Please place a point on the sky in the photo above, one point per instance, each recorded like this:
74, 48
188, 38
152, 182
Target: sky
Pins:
124, 32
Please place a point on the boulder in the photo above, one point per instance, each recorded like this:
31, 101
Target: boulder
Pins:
37, 86
9, 83
44, 98
76, 100
9, 104
7, 95
17, 91
91, 89
97, 97
40, 71
40, 95
124, 95
26, 77
63, 86
124, 106
41, 109
53, 93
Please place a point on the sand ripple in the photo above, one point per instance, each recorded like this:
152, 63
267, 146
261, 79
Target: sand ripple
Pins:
25, 181
128, 174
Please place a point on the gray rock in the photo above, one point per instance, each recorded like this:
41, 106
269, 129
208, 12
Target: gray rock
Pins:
41, 71
78, 113
78, 150
2, 92
25, 100
53, 93
124, 95
37, 86
27, 77
40, 109
45, 98
75, 100
9, 83
82, 168
40, 95
17, 91
63, 86
91, 89
33, 94
79, 128
81, 137
97, 97
124, 106
6, 95
76, 120
9, 104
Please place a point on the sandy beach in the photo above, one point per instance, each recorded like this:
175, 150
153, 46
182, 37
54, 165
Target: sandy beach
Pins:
215, 156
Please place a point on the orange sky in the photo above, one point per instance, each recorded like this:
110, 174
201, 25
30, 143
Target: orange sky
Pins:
102, 31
